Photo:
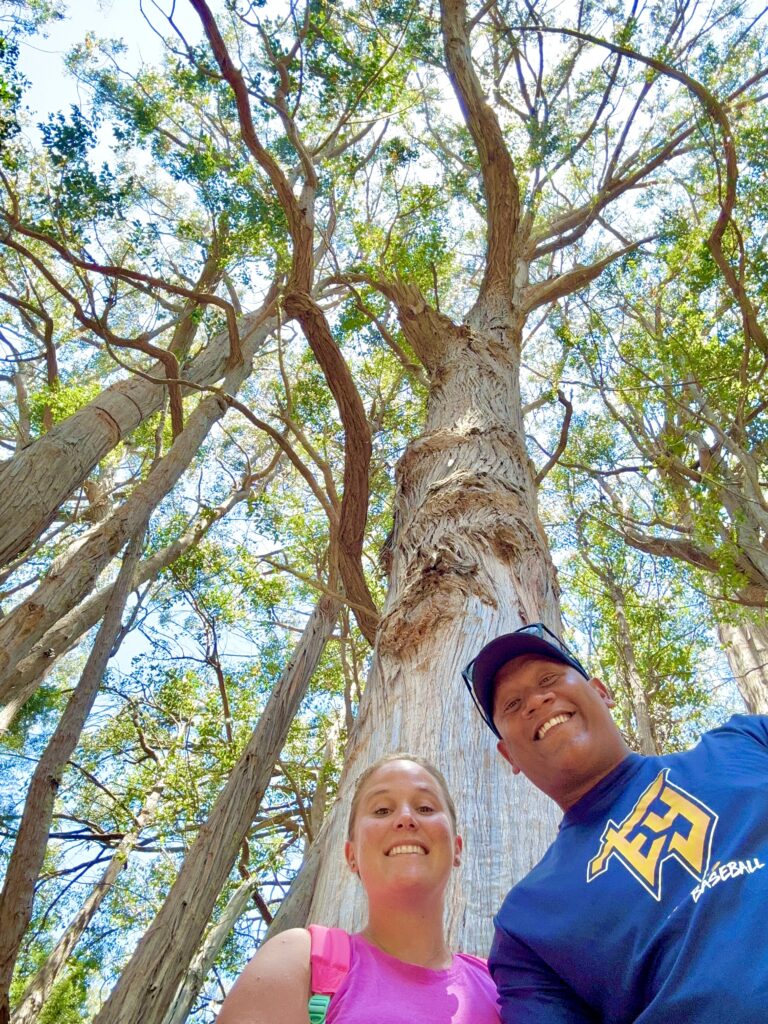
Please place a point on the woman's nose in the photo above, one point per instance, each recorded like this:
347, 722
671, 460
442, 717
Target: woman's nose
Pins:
405, 819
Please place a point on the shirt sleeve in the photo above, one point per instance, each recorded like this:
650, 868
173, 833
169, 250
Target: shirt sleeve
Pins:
530, 992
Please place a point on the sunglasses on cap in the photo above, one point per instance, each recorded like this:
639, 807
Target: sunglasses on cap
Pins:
535, 638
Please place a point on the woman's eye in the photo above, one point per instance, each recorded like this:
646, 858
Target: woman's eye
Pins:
513, 705
381, 811
426, 809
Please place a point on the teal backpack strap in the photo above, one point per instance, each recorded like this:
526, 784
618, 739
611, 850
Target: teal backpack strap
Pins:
329, 961
318, 1008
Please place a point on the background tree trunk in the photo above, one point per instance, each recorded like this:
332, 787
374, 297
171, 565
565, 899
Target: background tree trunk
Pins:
72, 577
746, 647
148, 984
39, 989
29, 849
206, 956
19, 685
35, 482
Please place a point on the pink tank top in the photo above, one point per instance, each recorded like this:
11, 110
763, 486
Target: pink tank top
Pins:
379, 989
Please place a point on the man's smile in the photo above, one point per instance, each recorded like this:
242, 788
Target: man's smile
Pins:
550, 723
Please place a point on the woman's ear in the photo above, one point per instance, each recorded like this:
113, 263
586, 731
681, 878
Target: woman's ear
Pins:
458, 845
349, 855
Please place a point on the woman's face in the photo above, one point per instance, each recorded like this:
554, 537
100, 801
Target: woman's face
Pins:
403, 838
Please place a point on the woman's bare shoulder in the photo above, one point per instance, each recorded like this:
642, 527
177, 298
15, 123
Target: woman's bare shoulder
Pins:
275, 986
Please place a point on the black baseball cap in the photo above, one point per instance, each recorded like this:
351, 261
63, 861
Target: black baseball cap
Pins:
480, 673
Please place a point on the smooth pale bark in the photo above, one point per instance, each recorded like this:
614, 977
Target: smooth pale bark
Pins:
629, 674
35, 482
29, 849
293, 912
632, 682
204, 960
148, 984
27, 1011
746, 647
73, 576
470, 561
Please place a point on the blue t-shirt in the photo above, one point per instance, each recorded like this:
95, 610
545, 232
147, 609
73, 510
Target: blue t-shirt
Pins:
651, 906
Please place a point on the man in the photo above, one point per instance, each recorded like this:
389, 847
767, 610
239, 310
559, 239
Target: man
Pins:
651, 905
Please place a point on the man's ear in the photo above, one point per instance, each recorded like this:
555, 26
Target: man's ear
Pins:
349, 855
605, 694
501, 746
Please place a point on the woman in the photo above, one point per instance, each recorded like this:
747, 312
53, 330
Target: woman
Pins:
402, 843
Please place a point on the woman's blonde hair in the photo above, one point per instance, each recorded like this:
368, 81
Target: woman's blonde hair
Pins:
400, 755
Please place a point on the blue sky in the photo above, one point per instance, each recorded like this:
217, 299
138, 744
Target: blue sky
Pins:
41, 59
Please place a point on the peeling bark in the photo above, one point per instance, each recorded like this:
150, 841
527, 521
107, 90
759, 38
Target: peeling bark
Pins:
469, 560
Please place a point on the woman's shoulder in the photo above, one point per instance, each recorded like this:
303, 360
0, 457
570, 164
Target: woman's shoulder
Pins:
289, 950
275, 985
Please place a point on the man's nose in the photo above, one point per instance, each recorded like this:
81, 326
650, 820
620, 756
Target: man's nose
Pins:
535, 699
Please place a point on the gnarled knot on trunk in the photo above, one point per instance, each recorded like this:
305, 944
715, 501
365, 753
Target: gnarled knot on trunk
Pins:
474, 445
437, 582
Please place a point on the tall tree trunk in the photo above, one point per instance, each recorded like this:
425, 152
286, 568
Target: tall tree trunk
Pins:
631, 680
629, 674
28, 1009
470, 560
293, 911
147, 986
746, 646
29, 849
35, 482
204, 959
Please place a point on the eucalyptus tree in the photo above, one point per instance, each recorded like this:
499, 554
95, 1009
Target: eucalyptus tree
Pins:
391, 217
550, 172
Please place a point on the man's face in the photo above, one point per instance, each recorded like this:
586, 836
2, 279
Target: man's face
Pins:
555, 726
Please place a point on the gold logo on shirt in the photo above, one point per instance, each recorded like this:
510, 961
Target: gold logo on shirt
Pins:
665, 822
